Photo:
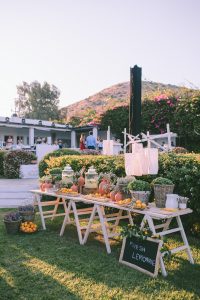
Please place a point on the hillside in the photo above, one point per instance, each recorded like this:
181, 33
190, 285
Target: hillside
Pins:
114, 96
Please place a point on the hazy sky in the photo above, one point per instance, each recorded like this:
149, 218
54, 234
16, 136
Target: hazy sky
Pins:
83, 46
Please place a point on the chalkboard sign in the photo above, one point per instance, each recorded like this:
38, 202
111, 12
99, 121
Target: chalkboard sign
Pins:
142, 255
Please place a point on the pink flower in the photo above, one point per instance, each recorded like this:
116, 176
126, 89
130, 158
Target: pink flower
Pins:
161, 97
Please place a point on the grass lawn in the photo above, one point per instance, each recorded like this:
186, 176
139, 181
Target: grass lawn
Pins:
46, 266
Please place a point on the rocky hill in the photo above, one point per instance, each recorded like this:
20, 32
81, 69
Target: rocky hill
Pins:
114, 96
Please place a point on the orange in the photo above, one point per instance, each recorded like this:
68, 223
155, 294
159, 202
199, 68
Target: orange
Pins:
138, 201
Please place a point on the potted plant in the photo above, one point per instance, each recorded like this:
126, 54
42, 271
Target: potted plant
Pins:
140, 190
162, 186
27, 212
122, 185
12, 222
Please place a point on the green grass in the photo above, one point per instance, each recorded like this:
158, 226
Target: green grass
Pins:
46, 266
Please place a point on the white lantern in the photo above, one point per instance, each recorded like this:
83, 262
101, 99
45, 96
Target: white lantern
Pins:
67, 174
91, 178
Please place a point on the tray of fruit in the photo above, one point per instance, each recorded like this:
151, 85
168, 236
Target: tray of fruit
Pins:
97, 197
67, 192
124, 202
139, 205
28, 227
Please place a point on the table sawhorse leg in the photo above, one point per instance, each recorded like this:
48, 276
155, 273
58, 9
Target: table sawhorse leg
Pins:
66, 218
97, 209
151, 225
38, 200
104, 229
118, 219
183, 235
94, 210
78, 227
59, 200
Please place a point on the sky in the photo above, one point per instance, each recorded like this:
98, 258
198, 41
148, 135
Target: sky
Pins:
84, 46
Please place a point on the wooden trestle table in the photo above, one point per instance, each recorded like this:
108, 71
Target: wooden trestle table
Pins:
96, 211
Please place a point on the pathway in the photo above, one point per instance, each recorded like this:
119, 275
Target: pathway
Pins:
14, 192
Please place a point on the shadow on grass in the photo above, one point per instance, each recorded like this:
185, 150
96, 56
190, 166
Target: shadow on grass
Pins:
54, 265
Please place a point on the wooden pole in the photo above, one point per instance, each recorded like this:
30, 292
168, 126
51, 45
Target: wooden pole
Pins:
169, 137
108, 133
124, 140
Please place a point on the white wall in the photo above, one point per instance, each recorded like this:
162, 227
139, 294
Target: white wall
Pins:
14, 132
24, 132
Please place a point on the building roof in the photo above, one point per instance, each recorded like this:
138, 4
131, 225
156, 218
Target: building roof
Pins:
38, 124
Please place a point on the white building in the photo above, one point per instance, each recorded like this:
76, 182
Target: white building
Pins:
28, 130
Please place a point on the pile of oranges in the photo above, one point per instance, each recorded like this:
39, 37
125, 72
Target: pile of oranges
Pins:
139, 204
28, 227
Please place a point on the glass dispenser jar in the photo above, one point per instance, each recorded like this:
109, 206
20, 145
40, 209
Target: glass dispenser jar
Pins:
67, 174
91, 178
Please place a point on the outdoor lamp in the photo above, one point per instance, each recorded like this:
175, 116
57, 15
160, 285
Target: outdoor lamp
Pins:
67, 174
91, 178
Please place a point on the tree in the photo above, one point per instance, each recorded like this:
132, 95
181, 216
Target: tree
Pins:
37, 101
117, 119
75, 121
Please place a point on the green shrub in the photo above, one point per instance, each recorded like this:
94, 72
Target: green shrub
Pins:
179, 150
61, 152
13, 160
184, 171
57, 153
2, 156
55, 171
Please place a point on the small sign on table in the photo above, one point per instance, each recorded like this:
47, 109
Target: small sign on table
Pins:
142, 255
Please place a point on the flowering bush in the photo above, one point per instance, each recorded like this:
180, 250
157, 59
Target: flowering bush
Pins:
103, 164
2, 156
181, 110
12, 217
157, 113
13, 160
188, 121
56, 153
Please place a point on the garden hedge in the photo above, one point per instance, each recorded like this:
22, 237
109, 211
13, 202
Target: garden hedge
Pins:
182, 169
56, 153
2, 156
102, 163
13, 159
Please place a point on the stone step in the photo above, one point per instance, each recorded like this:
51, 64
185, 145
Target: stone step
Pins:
12, 203
15, 195
15, 192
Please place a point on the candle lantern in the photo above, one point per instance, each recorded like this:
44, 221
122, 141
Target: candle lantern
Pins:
91, 178
67, 174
